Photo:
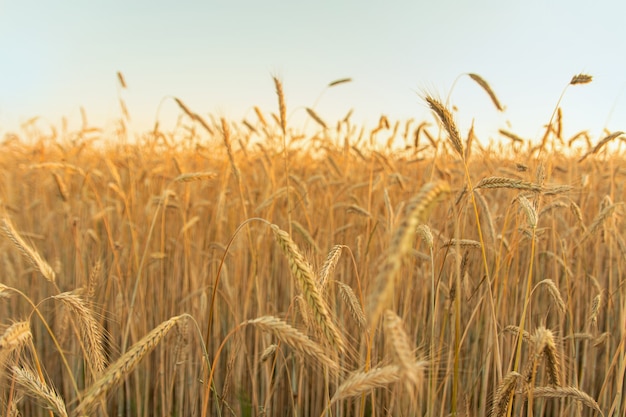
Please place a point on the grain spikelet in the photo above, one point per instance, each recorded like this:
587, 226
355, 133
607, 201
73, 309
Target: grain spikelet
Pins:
426, 234
565, 392
329, 266
33, 256
303, 273
353, 303
402, 349
339, 81
554, 293
269, 352
65, 195
463, 243
510, 135
120, 78
504, 394
578, 214
531, 213
515, 330
600, 144
118, 370
90, 329
543, 339
316, 117
282, 108
416, 212
195, 176
581, 79
15, 335
503, 182
305, 234
595, 309
599, 220
362, 382
485, 86
447, 120
39, 390
259, 115
557, 189
94, 278
294, 338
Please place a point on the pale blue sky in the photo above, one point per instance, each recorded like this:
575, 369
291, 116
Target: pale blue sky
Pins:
219, 57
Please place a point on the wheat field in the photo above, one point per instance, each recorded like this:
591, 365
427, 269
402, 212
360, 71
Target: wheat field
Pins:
242, 268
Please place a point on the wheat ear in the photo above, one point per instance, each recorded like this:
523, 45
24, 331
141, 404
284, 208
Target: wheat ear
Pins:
402, 349
91, 331
503, 182
39, 390
416, 212
303, 273
31, 254
329, 265
485, 86
565, 392
353, 303
361, 382
504, 394
282, 108
294, 338
448, 123
118, 370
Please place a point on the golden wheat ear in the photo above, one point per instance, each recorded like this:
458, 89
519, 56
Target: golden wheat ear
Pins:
485, 86
448, 123
303, 273
416, 212
362, 382
118, 370
39, 390
31, 254
294, 338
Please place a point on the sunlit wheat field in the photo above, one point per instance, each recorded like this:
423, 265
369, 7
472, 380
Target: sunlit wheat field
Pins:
255, 268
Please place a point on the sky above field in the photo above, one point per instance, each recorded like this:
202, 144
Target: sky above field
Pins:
219, 58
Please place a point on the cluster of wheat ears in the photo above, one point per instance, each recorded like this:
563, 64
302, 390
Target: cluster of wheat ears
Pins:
241, 268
